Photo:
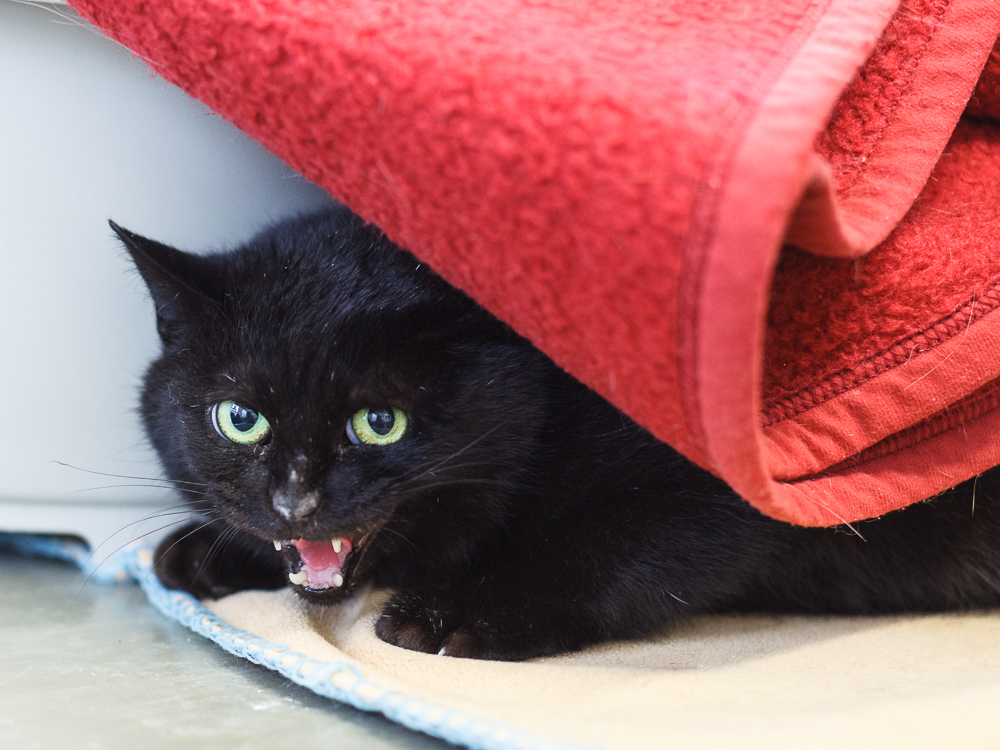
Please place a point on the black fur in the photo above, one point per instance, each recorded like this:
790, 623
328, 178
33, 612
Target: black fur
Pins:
521, 514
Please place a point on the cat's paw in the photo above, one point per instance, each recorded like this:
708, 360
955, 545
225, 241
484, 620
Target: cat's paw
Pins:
197, 559
435, 624
418, 621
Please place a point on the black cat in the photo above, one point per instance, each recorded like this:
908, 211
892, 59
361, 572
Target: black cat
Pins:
339, 415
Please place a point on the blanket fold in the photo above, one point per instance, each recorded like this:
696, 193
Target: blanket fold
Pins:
890, 127
762, 228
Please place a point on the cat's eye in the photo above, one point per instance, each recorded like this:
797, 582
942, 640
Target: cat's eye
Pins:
239, 423
376, 426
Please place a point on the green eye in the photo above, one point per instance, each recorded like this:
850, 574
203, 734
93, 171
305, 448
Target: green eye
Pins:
376, 426
239, 423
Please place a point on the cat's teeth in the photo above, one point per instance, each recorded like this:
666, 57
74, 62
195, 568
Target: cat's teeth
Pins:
336, 545
299, 579
338, 580
277, 546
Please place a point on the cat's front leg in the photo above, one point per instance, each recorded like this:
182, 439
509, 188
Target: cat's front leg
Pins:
212, 560
622, 572
544, 596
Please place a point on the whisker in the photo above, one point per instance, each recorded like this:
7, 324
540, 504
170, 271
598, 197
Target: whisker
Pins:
227, 534
225, 549
151, 486
71, 19
454, 455
464, 465
118, 549
169, 510
165, 514
364, 553
401, 536
485, 480
195, 530
126, 476
438, 466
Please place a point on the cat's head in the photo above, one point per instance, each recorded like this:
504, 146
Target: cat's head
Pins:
320, 389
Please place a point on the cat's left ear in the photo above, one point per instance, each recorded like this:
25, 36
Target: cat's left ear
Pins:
178, 282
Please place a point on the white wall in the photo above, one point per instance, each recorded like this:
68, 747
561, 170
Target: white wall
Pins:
88, 133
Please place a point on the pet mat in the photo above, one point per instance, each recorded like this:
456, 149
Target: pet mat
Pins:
926, 681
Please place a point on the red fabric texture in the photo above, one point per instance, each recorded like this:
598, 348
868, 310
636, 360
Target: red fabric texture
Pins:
985, 101
617, 180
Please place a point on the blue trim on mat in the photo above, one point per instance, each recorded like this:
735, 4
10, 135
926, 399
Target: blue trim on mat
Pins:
115, 567
332, 679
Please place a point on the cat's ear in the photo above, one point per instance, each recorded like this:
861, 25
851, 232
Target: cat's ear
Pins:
178, 282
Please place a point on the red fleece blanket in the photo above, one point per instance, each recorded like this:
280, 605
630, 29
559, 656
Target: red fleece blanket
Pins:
766, 229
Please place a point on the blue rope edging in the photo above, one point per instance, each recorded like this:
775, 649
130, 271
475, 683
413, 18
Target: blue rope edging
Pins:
114, 568
337, 680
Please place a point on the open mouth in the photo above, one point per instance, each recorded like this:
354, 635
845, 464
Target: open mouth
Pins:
317, 567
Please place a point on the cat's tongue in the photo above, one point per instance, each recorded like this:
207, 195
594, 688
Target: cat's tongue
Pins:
322, 563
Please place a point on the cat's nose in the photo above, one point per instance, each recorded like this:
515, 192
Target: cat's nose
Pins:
294, 505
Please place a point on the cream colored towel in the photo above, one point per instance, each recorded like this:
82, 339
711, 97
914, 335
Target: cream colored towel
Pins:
747, 682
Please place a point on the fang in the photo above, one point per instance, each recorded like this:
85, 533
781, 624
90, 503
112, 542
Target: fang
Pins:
336, 545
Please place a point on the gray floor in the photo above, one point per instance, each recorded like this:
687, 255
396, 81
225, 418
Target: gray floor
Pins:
95, 666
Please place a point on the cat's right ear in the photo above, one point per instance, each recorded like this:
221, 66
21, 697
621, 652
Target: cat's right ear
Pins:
177, 282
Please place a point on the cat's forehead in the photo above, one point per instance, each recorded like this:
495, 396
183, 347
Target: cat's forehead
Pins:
300, 370
328, 278
301, 319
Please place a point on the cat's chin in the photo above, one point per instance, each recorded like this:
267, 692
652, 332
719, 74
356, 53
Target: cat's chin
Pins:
321, 571
322, 596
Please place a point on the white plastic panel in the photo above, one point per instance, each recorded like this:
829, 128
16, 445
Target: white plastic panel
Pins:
88, 133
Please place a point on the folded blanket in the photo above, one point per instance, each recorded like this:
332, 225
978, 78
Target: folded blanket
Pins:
617, 181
